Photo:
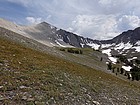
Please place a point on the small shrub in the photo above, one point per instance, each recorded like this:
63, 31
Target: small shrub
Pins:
101, 59
2, 62
135, 73
109, 66
77, 52
81, 52
128, 76
122, 58
113, 69
70, 50
137, 61
122, 71
97, 50
74, 50
30, 103
62, 49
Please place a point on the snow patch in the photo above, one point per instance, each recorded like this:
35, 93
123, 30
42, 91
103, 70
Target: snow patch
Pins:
52, 27
132, 58
106, 45
137, 48
68, 38
123, 46
138, 43
113, 59
119, 46
82, 39
60, 40
86, 41
127, 46
52, 44
58, 43
108, 52
82, 45
53, 32
93, 45
127, 68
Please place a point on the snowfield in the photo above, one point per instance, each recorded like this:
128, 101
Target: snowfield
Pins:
132, 58
93, 45
107, 45
123, 46
138, 43
127, 68
113, 59
108, 52
137, 48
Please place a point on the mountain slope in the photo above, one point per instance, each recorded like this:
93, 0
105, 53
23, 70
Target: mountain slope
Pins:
131, 36
32, 77
127, 43
89, 57
48, 34
53, 36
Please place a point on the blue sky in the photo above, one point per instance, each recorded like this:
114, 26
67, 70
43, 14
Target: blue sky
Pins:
97, 19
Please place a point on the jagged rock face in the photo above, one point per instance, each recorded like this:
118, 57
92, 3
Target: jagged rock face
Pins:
73, 39
70, 38
60, 37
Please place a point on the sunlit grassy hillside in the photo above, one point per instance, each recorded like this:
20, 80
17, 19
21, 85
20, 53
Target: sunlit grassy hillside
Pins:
30, 77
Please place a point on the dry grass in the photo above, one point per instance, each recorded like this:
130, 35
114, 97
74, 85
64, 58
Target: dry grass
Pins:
31, 77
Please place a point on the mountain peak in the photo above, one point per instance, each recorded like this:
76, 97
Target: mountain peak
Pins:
43, 22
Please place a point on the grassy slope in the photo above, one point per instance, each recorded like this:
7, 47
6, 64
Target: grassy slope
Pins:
90, 58
31, 77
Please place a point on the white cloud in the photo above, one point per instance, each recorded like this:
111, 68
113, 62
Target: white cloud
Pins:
33, 20
96, 27
103, 26
127, 22
105, 2
101, 19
